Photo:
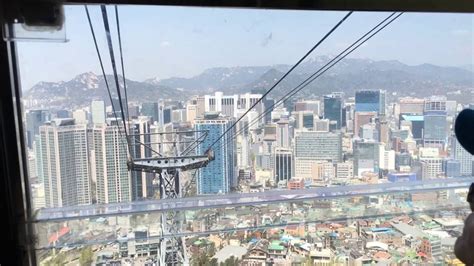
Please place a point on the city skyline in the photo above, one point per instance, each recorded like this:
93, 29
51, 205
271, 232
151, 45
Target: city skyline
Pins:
207, 153
296, 151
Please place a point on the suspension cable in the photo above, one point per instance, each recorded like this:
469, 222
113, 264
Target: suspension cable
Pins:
103, 71
283, 77
321, 71
114, 67
117, 20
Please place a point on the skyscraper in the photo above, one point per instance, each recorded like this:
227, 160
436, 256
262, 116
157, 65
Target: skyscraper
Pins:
304, 119
366, 157
34, 119
333, 109
321, 125
116, 107
243, 144
219, 175
283, 164
283, 133
64, 163
435, 131
326, 146
463, 156
80, 116
370, 101
142, 186
108, 155
452, 167
268, 104
362, 118
151, 109
435, 103
431, 163
178, 115
166, 115
191, 112
411, 106
98, 112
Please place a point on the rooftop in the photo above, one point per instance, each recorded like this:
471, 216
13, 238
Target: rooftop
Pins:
229, 251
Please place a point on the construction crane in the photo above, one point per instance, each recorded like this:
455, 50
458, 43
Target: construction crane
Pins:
168, 168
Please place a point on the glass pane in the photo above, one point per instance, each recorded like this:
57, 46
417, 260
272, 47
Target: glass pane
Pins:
202, 152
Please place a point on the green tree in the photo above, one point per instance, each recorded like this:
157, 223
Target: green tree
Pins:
232, 261
59, 259
86, 256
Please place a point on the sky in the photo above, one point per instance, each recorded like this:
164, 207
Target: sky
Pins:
163, 42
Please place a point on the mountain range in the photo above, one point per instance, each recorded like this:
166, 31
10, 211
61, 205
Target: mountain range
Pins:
347, 76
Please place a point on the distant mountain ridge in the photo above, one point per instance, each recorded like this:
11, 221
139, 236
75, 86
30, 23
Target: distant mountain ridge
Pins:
348, 75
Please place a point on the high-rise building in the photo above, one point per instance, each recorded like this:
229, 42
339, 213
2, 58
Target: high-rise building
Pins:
369, 131
435, 103
219, 175
362, 118
386, 159
314, 106
268, 104
304, 119
411, 106
283, 133
345, 170
321, 125
142, 186
464, 157
325, 146
300, 106
435, 132
243, 144
108, 160
452, 167
80, 116
64, 163
247, 100
366, 157
133, 111
402, 160
416, 124
303, 167
431, 167
151, 110
178, 115
322, 171
166, 115
63, 114
200, 106
283, 164
229, 104
451, 107
279, 113
98, 112
383, 130
34, 119
333, 109
370, 101
431, 163
191, 112
313, 170
116, 107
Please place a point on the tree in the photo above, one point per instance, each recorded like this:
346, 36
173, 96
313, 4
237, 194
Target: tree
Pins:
59, 259
86, 256
232, 261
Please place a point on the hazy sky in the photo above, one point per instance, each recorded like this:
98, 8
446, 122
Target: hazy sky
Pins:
174, 41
